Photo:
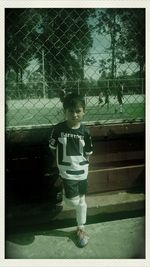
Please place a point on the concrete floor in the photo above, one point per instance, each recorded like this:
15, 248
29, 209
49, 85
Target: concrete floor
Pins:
117, 239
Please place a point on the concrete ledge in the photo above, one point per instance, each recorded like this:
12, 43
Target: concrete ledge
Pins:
107, 203
101, 207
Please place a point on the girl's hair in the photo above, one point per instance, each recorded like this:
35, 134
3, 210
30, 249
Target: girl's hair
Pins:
72, 100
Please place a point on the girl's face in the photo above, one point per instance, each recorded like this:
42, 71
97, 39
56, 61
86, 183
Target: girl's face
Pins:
74, 115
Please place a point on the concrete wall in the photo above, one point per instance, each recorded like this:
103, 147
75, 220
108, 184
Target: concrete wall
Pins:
117, 162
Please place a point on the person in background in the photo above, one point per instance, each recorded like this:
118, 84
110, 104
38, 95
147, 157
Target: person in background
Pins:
106, 94
119, 95
71, 144
100, 98
62, 95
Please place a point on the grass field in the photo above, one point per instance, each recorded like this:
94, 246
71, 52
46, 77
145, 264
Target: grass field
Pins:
49, 111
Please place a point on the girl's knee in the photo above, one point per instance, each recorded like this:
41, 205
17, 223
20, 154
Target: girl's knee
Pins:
82, 199
72, 201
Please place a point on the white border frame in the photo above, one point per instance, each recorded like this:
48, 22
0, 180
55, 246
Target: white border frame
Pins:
71, 4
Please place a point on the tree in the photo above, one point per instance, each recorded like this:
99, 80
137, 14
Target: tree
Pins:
18, 47
108, 25
126, 29
66, 38
132, 37
63, 34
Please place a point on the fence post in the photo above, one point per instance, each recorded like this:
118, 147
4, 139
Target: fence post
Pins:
43, 71
78, 87
142, 87
108, 83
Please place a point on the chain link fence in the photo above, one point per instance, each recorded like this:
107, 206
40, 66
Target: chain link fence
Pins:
99, 53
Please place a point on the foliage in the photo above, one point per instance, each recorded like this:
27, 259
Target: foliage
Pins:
132, 37
126, 28
18, 45
63, 34
58, 41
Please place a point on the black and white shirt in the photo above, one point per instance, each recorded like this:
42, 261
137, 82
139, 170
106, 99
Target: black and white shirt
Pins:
72, 146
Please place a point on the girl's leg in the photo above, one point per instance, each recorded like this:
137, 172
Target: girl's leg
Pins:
81, 212
80, 206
